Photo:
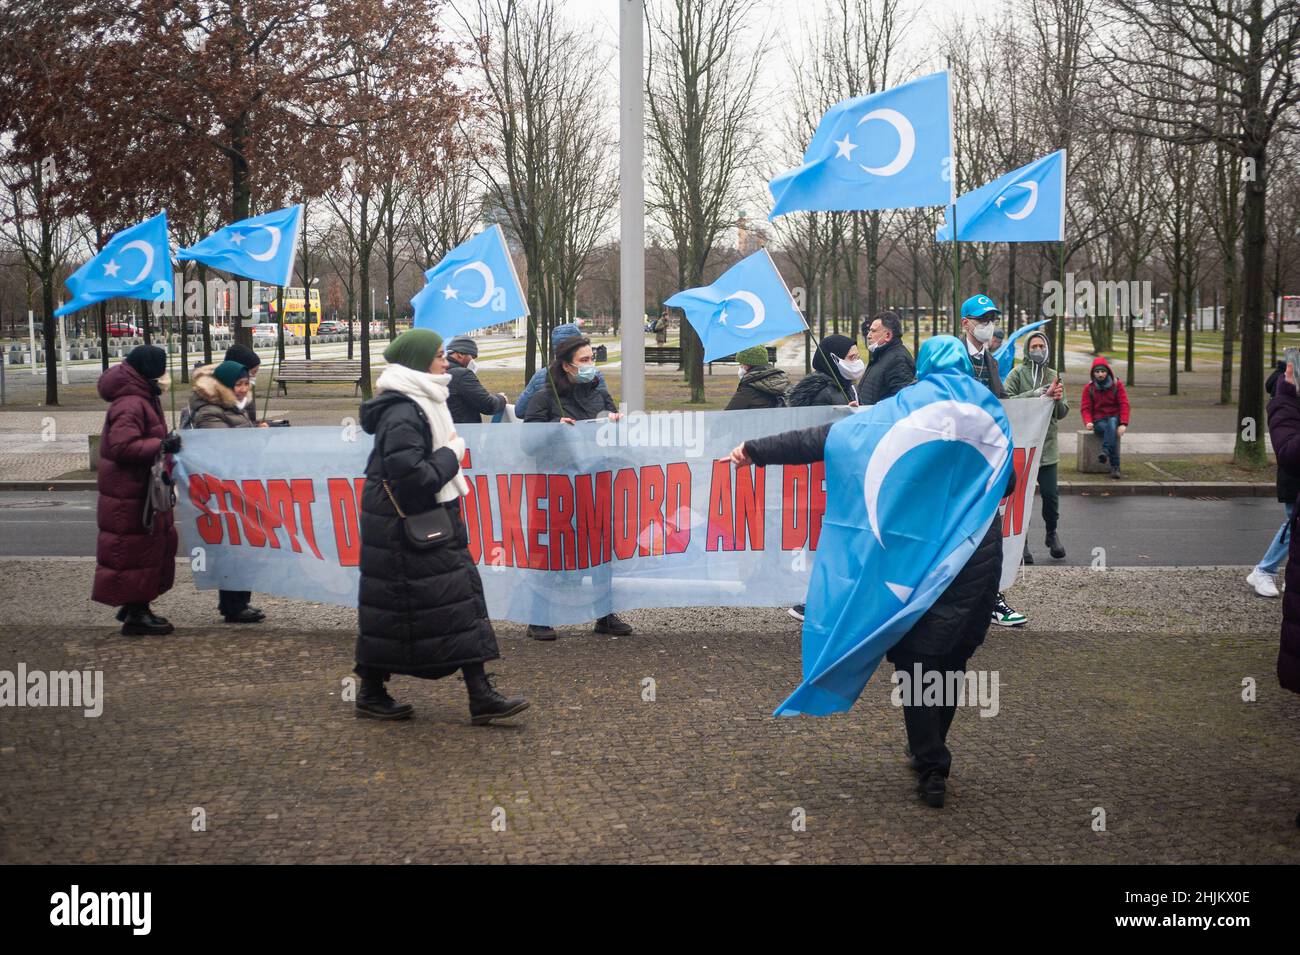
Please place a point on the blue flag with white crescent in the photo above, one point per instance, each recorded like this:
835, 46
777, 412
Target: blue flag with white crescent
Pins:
262, 248
889, 150
749, 304
1006, 355
1025, 205
474, 285
912, 485
135, 263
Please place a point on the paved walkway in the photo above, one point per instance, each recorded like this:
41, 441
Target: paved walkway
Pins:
1130, 703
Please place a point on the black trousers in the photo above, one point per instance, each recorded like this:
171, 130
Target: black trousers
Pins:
927, 726
230, 602
383, 676
1051, 495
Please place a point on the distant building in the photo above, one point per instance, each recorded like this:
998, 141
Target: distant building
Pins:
750, 235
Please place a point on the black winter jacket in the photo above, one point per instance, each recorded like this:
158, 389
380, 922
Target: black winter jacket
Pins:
891, 370
762, 387
959, 619
584, 401
1288, 485
467, 399
421, 612
820, 388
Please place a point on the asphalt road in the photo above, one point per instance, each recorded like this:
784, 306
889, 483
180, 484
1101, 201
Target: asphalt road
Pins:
1134, 531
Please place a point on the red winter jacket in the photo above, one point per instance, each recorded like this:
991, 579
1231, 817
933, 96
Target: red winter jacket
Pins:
133, 565
1284, 426
1096, 403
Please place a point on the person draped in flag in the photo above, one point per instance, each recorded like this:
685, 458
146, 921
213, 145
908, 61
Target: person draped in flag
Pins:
880, 598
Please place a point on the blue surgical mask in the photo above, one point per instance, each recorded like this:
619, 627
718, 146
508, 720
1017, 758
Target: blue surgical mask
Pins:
586, 372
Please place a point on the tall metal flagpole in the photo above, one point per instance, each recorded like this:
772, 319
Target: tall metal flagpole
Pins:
631, 264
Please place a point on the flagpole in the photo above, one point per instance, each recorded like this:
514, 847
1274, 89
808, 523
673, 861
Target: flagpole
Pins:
956, 268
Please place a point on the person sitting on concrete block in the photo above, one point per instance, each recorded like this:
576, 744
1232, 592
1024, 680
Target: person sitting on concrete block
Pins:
1105, 410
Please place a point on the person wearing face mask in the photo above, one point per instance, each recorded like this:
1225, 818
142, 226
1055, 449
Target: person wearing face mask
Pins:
1034, 378
250, 360
218, 397
1104, 407
573, 394
467, 399
837, 369
762, 385
539, 381
979, 317
892, 368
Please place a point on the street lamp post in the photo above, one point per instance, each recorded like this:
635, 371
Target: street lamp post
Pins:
631, 265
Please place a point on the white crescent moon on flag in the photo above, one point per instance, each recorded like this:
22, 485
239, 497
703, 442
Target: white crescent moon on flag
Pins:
489, 282
1029, 206
147, 249
269, 254
755, 303
906, 141
940, 421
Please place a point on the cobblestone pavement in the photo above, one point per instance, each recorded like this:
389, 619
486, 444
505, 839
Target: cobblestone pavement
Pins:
1113, 710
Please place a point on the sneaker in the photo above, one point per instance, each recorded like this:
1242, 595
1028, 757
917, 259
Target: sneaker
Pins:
541, 633
1102, 459
797, 612
1114, 473
613, 624
1004, 616
1029, 558
1263, 583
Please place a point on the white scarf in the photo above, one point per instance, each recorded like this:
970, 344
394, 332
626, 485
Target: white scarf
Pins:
430, 393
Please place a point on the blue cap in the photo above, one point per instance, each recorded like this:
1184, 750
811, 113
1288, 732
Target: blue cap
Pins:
978, 306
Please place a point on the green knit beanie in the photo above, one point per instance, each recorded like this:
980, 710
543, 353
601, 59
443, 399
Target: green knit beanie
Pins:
229, 372
754, 356
416, 349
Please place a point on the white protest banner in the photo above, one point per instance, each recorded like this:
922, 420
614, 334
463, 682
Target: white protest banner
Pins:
566, 523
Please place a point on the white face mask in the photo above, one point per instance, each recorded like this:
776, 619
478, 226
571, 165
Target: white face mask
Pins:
983, 332
851, 369
742, 371
872, 346
241, 402
472, 366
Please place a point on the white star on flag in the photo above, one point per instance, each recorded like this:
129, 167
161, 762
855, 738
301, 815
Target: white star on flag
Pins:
111, 268
236, 238
449, 292
844, 147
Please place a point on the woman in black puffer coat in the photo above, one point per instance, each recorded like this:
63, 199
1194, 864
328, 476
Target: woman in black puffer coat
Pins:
837, 369
421, 610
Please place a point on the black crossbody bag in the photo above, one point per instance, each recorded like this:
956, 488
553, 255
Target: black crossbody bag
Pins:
427, 529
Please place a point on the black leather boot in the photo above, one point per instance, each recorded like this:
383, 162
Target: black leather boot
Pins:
485, 703
932, 790
374, 702
137, 622
1055, 546
613, 624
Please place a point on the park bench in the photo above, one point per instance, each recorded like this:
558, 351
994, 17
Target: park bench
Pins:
330, 369
663, 355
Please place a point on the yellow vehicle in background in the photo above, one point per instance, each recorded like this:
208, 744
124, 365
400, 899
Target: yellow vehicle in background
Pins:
295, 308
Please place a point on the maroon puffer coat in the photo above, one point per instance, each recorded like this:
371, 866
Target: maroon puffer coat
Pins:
1284, 426
133, 565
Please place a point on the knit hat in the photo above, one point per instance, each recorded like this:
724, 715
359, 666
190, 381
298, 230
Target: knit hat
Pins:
836, 346
754, 356
229, 373
464, 345
415, 349
148, 360
565, 330
244, 355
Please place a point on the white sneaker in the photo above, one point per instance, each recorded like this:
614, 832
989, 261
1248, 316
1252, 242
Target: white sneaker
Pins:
1263, 583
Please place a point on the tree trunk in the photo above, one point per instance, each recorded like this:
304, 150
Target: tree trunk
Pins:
1250, 399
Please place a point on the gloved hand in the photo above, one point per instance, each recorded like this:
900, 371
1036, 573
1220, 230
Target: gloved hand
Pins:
171, 444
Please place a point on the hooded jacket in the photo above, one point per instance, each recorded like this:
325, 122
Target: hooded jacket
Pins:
1109, 402
538, 381
420, 611
1030, 380
213, 405
761, 387
132, 565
